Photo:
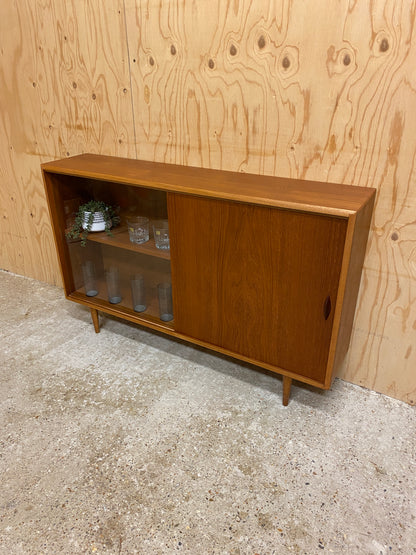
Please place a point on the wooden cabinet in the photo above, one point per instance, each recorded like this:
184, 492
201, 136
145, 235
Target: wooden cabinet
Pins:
264, 269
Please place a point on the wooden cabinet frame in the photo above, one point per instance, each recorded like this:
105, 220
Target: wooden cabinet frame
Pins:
263, 269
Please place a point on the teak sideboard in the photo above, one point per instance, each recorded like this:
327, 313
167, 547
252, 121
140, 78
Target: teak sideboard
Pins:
263, 269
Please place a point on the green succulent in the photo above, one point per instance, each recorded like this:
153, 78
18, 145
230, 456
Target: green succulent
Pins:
109, 213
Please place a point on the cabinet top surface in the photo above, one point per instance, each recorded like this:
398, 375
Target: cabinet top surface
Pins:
310, 196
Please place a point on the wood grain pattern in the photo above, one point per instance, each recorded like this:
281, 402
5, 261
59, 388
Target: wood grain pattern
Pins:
64, 85
254, 280
312, 196
318, 90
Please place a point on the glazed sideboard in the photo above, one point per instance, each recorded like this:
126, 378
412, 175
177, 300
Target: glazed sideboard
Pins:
263, 269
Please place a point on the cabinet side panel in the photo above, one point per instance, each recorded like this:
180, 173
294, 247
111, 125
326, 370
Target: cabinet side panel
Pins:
258, 281
361, 223
56, 211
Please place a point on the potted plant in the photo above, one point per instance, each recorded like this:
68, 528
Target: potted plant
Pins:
92, 216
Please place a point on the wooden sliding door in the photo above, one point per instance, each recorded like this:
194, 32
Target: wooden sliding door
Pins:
255, 280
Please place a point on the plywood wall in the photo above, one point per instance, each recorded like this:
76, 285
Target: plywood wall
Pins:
307, 89
64, 89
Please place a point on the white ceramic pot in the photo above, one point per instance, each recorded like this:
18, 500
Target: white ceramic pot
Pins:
98, 222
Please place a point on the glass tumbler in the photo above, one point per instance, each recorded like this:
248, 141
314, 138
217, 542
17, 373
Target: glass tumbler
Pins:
113, 285
90, 280
161, 234
138, 293
164, 292
138, 227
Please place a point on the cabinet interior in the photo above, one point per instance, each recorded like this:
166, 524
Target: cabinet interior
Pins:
116, 250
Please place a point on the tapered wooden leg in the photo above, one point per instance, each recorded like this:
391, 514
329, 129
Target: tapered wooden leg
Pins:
287, 384
94, 316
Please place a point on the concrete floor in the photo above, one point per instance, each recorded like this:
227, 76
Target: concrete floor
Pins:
129, 442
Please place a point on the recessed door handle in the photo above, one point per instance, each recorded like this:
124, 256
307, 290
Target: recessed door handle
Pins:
327, 307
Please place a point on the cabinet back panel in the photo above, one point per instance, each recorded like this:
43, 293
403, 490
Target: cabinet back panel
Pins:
256, 280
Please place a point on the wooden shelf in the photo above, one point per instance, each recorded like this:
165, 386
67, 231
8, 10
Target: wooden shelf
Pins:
120, 239
149, 316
